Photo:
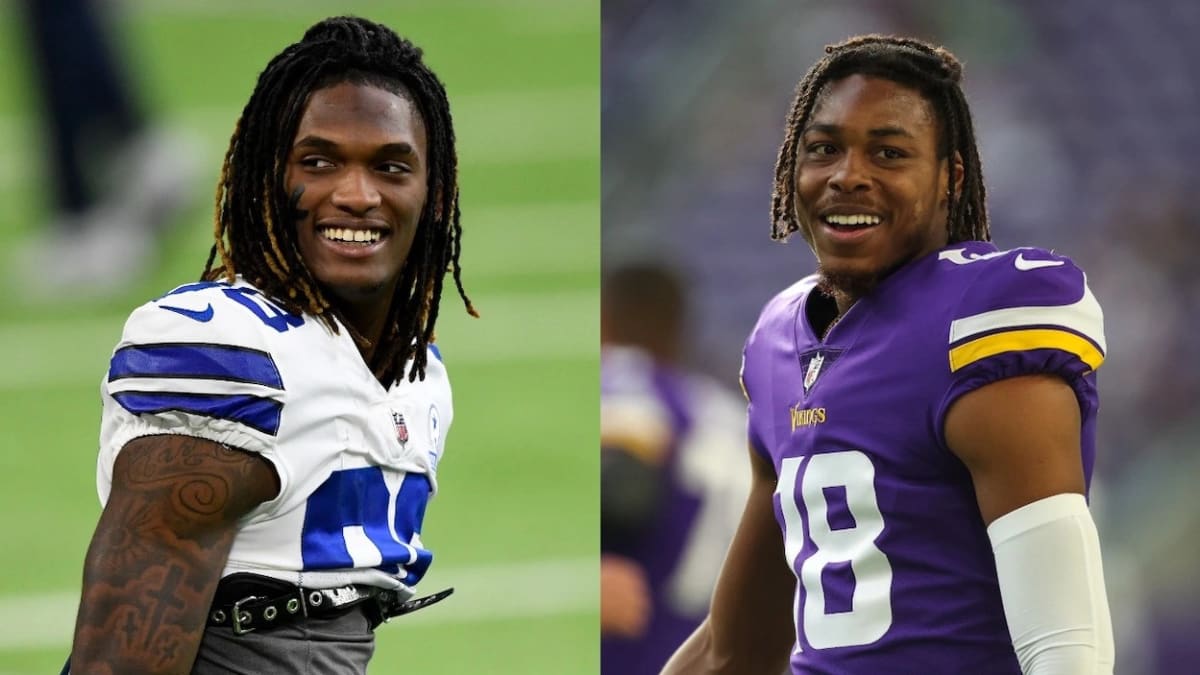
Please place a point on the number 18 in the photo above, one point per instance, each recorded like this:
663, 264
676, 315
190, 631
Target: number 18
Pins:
870, 615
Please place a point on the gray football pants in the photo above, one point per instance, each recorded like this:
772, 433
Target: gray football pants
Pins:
311, 647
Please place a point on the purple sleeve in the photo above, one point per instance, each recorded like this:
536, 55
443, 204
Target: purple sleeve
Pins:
1029, 312
752, 433
773, 337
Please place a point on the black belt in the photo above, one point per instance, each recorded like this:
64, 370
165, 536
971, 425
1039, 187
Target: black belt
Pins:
249, 602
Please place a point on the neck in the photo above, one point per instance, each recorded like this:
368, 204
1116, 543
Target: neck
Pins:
845, 290
844, 302
368, 318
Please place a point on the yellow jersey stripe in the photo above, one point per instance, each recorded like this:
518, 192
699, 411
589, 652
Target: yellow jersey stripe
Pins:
1084, 317
1021, 340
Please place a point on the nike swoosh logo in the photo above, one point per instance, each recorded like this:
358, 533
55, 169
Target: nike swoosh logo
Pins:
202, 315
1025, 265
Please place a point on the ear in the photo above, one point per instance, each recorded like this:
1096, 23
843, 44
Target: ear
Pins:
956, 174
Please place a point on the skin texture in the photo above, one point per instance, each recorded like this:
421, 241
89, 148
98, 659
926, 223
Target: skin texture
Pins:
1011, 464
359, 160
870, 147
158, 551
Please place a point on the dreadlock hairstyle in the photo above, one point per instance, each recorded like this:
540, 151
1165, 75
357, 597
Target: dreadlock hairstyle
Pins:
931, 70
254, 233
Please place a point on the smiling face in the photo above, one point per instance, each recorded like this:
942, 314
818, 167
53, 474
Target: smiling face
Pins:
871, 190
360, 158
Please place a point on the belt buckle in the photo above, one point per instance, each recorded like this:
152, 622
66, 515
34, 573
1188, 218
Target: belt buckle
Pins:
238, 629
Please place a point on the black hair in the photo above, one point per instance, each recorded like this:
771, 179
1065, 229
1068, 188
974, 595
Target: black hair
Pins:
931, 70
253, 233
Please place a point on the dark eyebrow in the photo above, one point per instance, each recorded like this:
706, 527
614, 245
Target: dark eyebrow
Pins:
835, 130
325, 145
827, 129
316, 142
883, 132
396, 149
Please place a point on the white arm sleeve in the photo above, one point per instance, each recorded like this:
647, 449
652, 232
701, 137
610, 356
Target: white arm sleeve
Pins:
1052, 585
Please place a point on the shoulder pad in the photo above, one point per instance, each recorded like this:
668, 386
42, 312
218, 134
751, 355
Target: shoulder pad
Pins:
1019, 300
200, 352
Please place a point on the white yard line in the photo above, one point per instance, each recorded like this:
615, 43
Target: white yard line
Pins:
557, 325
482, 593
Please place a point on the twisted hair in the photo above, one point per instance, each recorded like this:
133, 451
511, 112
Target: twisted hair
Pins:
253, 232
929, 69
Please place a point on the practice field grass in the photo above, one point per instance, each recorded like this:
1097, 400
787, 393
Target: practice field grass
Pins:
515, 527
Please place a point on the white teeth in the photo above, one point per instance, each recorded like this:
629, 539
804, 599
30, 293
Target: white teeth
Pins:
348, 235
856, 219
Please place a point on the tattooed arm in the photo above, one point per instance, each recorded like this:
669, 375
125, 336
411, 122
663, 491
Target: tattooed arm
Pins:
158, 551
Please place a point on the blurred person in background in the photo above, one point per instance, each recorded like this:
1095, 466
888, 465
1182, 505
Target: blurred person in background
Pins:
118, 177
672, 474
923, 407
270, 436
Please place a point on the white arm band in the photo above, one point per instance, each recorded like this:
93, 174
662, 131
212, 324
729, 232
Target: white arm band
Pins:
1052, 585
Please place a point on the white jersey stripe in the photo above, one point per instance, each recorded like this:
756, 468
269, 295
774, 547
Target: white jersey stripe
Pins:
1083, 317
193, 386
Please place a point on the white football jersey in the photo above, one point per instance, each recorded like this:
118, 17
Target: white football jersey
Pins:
356, 463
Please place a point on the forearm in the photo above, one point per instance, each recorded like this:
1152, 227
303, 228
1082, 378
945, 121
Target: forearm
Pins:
694, 655
1052, 584
699, 655
750, 628
157, 555
143, 605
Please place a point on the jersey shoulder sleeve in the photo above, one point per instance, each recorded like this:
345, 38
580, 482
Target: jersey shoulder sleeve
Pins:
197, 362
777, 321
1022, 312
1026, 301
775, 332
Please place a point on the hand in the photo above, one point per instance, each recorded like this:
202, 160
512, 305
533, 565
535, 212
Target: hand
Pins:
624, 597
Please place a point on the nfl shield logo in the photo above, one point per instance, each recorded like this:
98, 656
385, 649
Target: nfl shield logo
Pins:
814, 369
401, 427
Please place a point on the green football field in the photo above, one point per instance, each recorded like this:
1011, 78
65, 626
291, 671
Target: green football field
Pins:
515, 527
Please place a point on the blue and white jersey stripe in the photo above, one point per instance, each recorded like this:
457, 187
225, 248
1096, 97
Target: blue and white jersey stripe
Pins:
196, 361
255, 412
157, 378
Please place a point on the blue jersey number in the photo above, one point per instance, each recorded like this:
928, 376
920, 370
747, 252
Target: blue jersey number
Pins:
350, 509
259, 305
271, 314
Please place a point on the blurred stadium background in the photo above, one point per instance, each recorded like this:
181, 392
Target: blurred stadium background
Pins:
515, 528
1088, 117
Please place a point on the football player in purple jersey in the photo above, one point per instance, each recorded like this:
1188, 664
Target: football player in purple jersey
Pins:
921, 410
672, 478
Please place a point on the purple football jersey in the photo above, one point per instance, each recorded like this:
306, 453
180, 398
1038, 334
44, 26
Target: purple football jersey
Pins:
880, 521
690, 429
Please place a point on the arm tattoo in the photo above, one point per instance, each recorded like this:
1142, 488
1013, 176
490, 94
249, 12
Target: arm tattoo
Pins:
158, 552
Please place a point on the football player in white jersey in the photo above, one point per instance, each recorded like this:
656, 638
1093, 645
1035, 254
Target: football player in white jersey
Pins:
271, 434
